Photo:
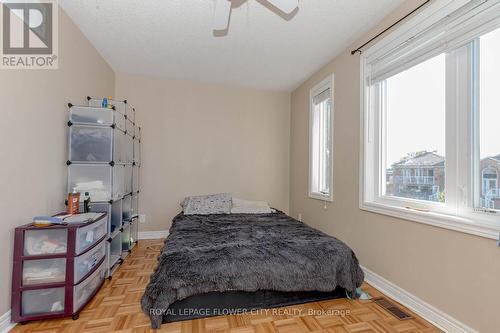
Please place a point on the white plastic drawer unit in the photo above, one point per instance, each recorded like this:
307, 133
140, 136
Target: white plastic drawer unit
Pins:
90, 144
45, 242
134, 210
137, 152
44, 271
42, 301
91, 115
89, 235
135, 178
126, 207
103, 182
128, 179
85, 289
87, 261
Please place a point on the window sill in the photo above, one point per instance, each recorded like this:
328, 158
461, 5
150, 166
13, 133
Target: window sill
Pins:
474, 227
320, 197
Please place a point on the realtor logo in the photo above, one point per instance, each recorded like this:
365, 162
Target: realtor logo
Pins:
29, 34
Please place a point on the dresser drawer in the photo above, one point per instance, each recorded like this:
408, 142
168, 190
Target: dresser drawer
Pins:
43, 301
89, 235
86, 262
44, 271
45, 242
84, 290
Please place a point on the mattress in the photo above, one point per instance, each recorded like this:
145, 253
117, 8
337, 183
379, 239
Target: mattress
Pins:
250, 253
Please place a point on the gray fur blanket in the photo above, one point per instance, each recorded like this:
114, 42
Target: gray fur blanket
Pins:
246, 252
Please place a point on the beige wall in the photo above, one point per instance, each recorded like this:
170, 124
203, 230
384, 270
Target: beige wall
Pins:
203, 138
33, 135
455, 272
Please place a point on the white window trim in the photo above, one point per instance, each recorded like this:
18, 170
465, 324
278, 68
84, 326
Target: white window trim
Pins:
328, 82
481, 224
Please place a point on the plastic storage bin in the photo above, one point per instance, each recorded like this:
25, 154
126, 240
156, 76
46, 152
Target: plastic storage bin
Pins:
45, 242
126, 208
120, 106
91, 115
42, 301
134, 208
44, 271
90, 144
83, 291
103, 182
89, 235
135, 179
87, 261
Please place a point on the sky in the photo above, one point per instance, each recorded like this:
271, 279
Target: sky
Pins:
416, 105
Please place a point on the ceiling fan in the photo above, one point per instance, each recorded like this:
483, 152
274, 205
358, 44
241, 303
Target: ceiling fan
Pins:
223, 10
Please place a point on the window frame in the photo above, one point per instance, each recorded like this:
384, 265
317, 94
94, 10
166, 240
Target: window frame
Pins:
462, 137
326, 83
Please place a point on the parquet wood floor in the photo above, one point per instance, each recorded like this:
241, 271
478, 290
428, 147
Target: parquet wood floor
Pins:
116, 309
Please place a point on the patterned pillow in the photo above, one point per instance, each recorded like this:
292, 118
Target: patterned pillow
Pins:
207, 204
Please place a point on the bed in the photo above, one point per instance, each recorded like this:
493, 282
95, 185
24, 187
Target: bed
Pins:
225, 263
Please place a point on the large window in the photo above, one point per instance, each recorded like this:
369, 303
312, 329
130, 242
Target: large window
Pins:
431, 119
320, 138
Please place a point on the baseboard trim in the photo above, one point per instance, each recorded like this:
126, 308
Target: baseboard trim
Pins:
435, 316
5, 324
153, 234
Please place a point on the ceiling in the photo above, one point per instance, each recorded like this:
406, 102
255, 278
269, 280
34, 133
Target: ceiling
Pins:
173, 39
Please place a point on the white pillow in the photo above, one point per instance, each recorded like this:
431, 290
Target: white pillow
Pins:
241, 206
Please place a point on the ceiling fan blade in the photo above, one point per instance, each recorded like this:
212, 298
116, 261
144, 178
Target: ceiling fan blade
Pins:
222, 14
286, 6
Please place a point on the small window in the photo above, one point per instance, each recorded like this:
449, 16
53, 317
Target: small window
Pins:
320, 141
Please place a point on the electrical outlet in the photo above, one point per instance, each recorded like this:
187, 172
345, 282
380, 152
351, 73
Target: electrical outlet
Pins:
142, 218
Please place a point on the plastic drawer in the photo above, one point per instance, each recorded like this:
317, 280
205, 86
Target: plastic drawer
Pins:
92, 144
128, 179
129, 149
137, 152
126, 207
115, 250
42, 301
45, 241
103, 182
84, 290
89, 235
91, 115
134, 208
86, 262
44, 271
135, 178
126, 237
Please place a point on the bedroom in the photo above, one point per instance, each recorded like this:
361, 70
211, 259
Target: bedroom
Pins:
372, 151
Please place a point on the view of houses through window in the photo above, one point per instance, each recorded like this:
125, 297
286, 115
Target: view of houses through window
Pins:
415, 128
415, 131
